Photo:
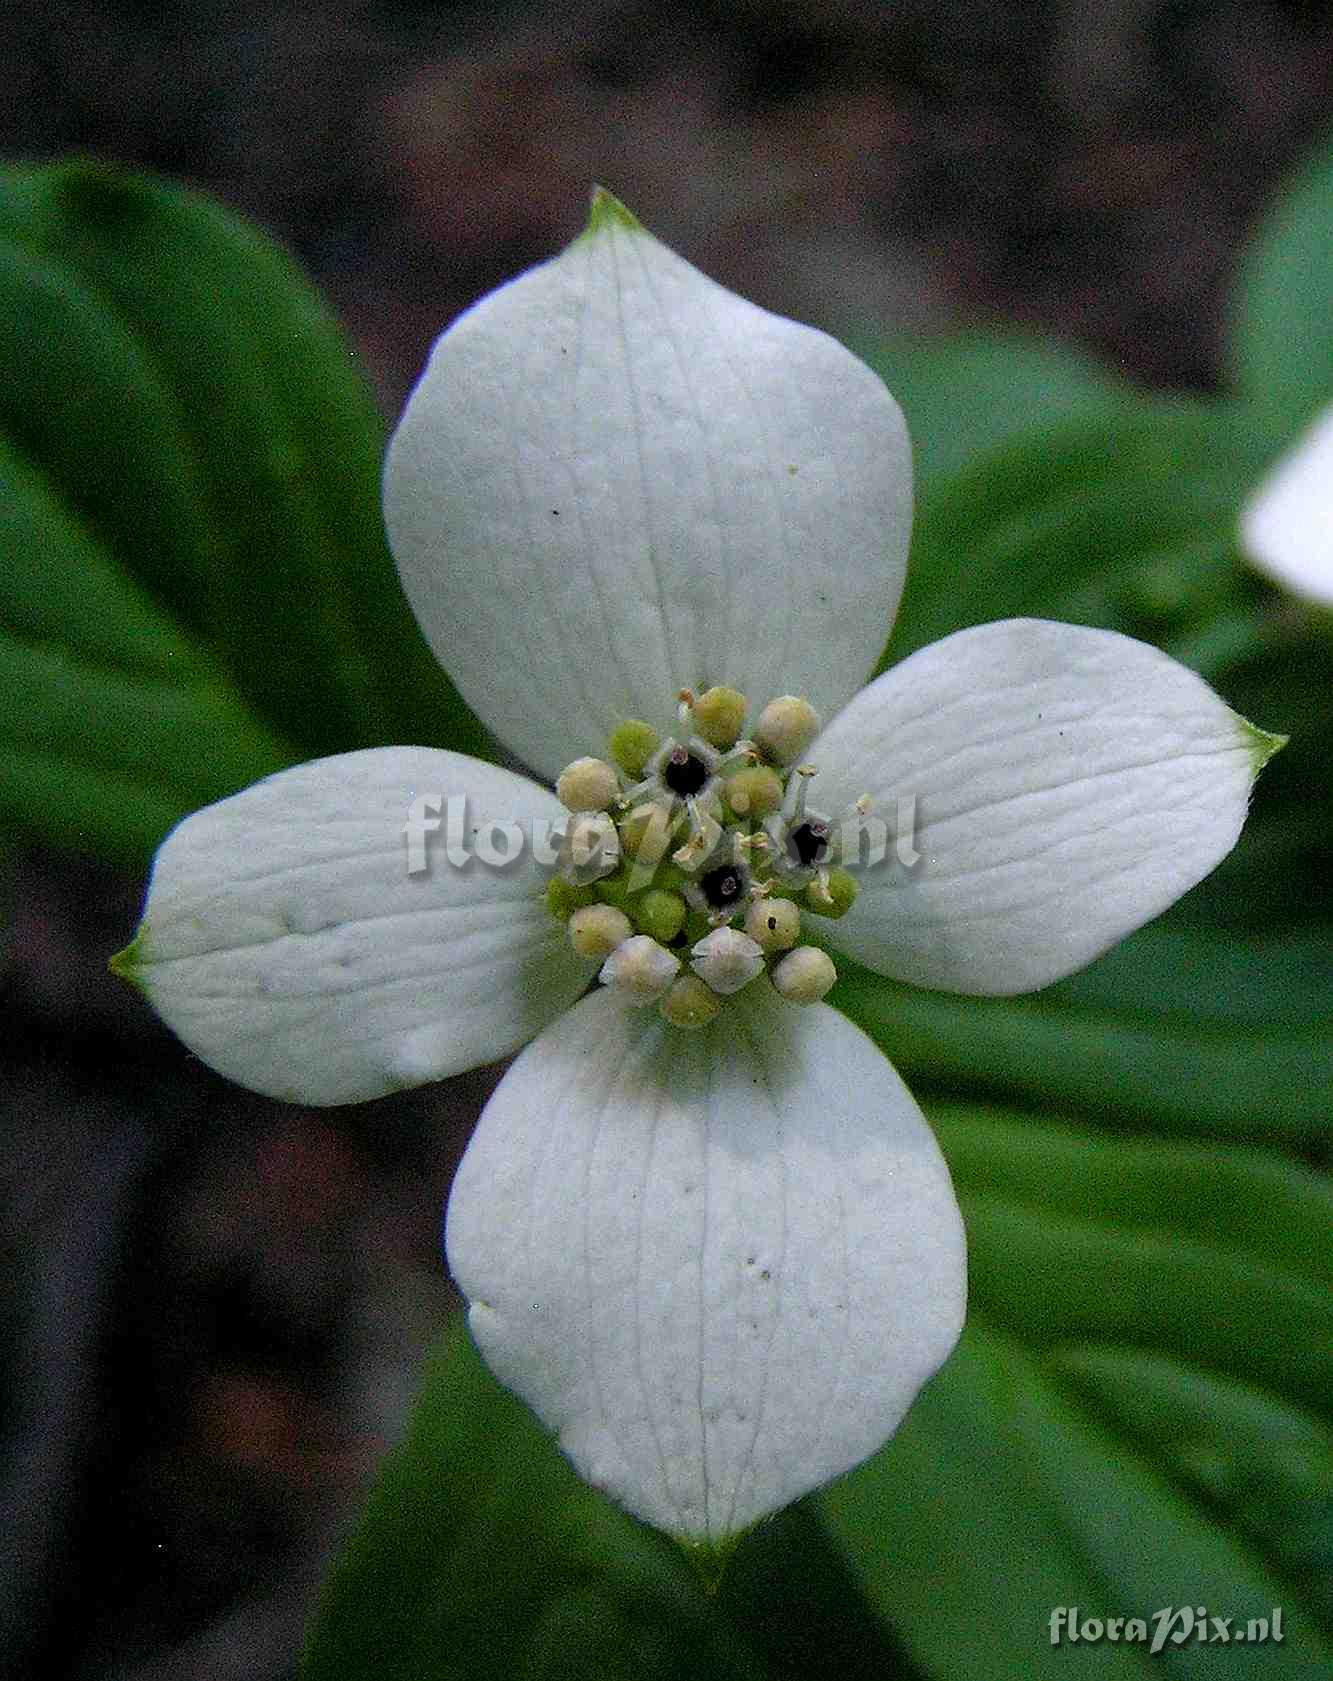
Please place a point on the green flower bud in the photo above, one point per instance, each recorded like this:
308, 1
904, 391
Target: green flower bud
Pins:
689, 1003
839, 898
719, 715
671, 878
563, 899
755, 791
632, 744
614, 890
662, 915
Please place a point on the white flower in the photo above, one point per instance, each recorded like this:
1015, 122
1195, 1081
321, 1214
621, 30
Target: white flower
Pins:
718, 1258
1287, 525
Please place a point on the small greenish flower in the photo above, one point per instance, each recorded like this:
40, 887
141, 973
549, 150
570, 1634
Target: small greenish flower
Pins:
702, 1226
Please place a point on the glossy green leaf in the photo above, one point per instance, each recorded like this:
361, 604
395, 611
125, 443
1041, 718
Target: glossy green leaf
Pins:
1282, 328
482, 1554
118, 724
1123, 516
1138, 1416
1218, 1254
1283, 862
1002, 1500
192, 461
1258, 1464
1175, 1029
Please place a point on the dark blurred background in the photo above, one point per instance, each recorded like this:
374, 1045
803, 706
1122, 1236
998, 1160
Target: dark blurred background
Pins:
216, 1305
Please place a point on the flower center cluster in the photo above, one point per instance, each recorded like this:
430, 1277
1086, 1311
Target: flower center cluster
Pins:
689, 863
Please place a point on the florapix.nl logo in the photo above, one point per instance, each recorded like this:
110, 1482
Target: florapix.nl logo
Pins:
441, 828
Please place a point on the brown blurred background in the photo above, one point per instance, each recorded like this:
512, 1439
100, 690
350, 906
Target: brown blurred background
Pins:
217, 1305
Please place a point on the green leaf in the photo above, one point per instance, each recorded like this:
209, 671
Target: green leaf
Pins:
967, 393
191, 462
1280, 869
1282, 334
1123, 514
1002, 1500
1138, 1415
1122, 517
117, 724
481, 1553
1261, 1466
1182, 1030
1215, 1254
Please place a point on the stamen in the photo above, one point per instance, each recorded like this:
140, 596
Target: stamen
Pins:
705, 832
805, 772
818, 890
640, 791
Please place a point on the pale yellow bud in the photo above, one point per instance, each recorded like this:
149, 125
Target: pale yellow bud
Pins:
786, 728
596, 930
804, 975
587, 785
773, 924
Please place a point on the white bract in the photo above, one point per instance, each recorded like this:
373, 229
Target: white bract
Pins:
703, 1228
1287, 525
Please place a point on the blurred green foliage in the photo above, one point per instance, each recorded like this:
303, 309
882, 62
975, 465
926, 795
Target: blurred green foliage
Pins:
1282, 339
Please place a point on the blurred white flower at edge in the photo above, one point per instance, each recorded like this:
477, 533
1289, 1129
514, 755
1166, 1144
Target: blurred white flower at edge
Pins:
1286, 527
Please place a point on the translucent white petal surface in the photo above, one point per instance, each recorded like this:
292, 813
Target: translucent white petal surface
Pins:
286, 942
1069, 784
1287, 527
719, 1263
616, 479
